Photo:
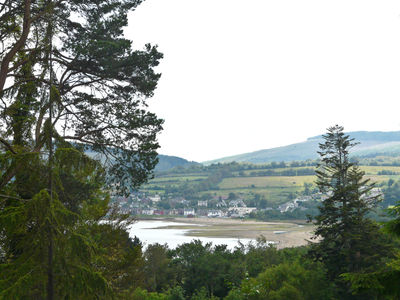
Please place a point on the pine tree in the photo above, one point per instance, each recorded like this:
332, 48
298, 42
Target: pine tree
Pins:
349, 241
87, 90
100, 85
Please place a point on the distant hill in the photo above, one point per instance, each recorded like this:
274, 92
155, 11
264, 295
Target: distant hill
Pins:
166, 162
372, 143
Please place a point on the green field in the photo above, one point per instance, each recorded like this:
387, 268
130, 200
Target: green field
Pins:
177, 178
276, 189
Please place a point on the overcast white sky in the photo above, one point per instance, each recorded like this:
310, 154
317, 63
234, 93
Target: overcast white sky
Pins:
240, 76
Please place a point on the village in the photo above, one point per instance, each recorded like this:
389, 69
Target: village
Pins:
141, 204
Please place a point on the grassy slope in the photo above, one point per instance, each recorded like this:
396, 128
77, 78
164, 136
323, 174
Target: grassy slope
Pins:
275, 188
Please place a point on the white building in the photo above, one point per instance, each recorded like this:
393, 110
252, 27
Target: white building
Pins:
148, 211
236, 203
155, 198
215, 214
189, 212
288, 206
202, 203
241, 211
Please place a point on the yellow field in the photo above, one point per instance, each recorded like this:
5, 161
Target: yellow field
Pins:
373, 170
265, 182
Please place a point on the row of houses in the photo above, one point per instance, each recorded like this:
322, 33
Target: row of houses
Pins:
375, 193
191, 212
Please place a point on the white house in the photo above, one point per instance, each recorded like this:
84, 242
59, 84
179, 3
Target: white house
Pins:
189, 212
148, 211
155, 198
241, 211
202, 203
236, 203
288, 206
215, 214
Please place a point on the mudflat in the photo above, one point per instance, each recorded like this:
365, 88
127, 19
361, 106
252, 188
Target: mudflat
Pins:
284, 234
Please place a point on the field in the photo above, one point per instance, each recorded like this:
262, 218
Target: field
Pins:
265, 182
276, 189
373, 170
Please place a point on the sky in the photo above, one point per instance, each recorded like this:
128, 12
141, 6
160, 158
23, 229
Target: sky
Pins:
241, 76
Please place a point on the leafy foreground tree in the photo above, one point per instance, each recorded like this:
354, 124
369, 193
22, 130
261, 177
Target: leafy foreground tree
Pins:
294, 280
213, 269
349, 241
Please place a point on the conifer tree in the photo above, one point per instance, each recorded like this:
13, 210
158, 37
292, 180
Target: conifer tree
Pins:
100, 85
69, 82
349, 241
90, 258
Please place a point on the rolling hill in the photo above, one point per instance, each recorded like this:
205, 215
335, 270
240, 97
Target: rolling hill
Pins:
371, 143
166, 162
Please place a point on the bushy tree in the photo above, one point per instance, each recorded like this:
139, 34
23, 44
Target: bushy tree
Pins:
157, 270
214, 269
294, 280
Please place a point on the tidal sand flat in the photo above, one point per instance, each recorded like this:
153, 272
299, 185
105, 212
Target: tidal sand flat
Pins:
173, 233
283, 234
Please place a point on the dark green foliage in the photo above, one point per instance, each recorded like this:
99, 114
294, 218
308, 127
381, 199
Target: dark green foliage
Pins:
89, 258
350, 242
203, 266
73, 83
295, 280
205, 271
383, 281
158, 273
260, 256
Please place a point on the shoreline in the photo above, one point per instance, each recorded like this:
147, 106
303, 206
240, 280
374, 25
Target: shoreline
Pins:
284, 234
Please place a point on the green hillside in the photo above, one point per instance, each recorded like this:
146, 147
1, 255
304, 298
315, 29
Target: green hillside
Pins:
370, 144
276, 183
166, 162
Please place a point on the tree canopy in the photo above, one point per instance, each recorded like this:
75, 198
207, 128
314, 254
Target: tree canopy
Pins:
76, 50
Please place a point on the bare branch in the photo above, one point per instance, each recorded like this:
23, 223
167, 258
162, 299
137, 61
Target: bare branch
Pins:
7, 145
17, 46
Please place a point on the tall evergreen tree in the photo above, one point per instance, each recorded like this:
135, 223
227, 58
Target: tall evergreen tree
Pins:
70, 81
349, 241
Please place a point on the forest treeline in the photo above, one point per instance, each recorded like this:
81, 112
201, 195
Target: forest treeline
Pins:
203, 271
